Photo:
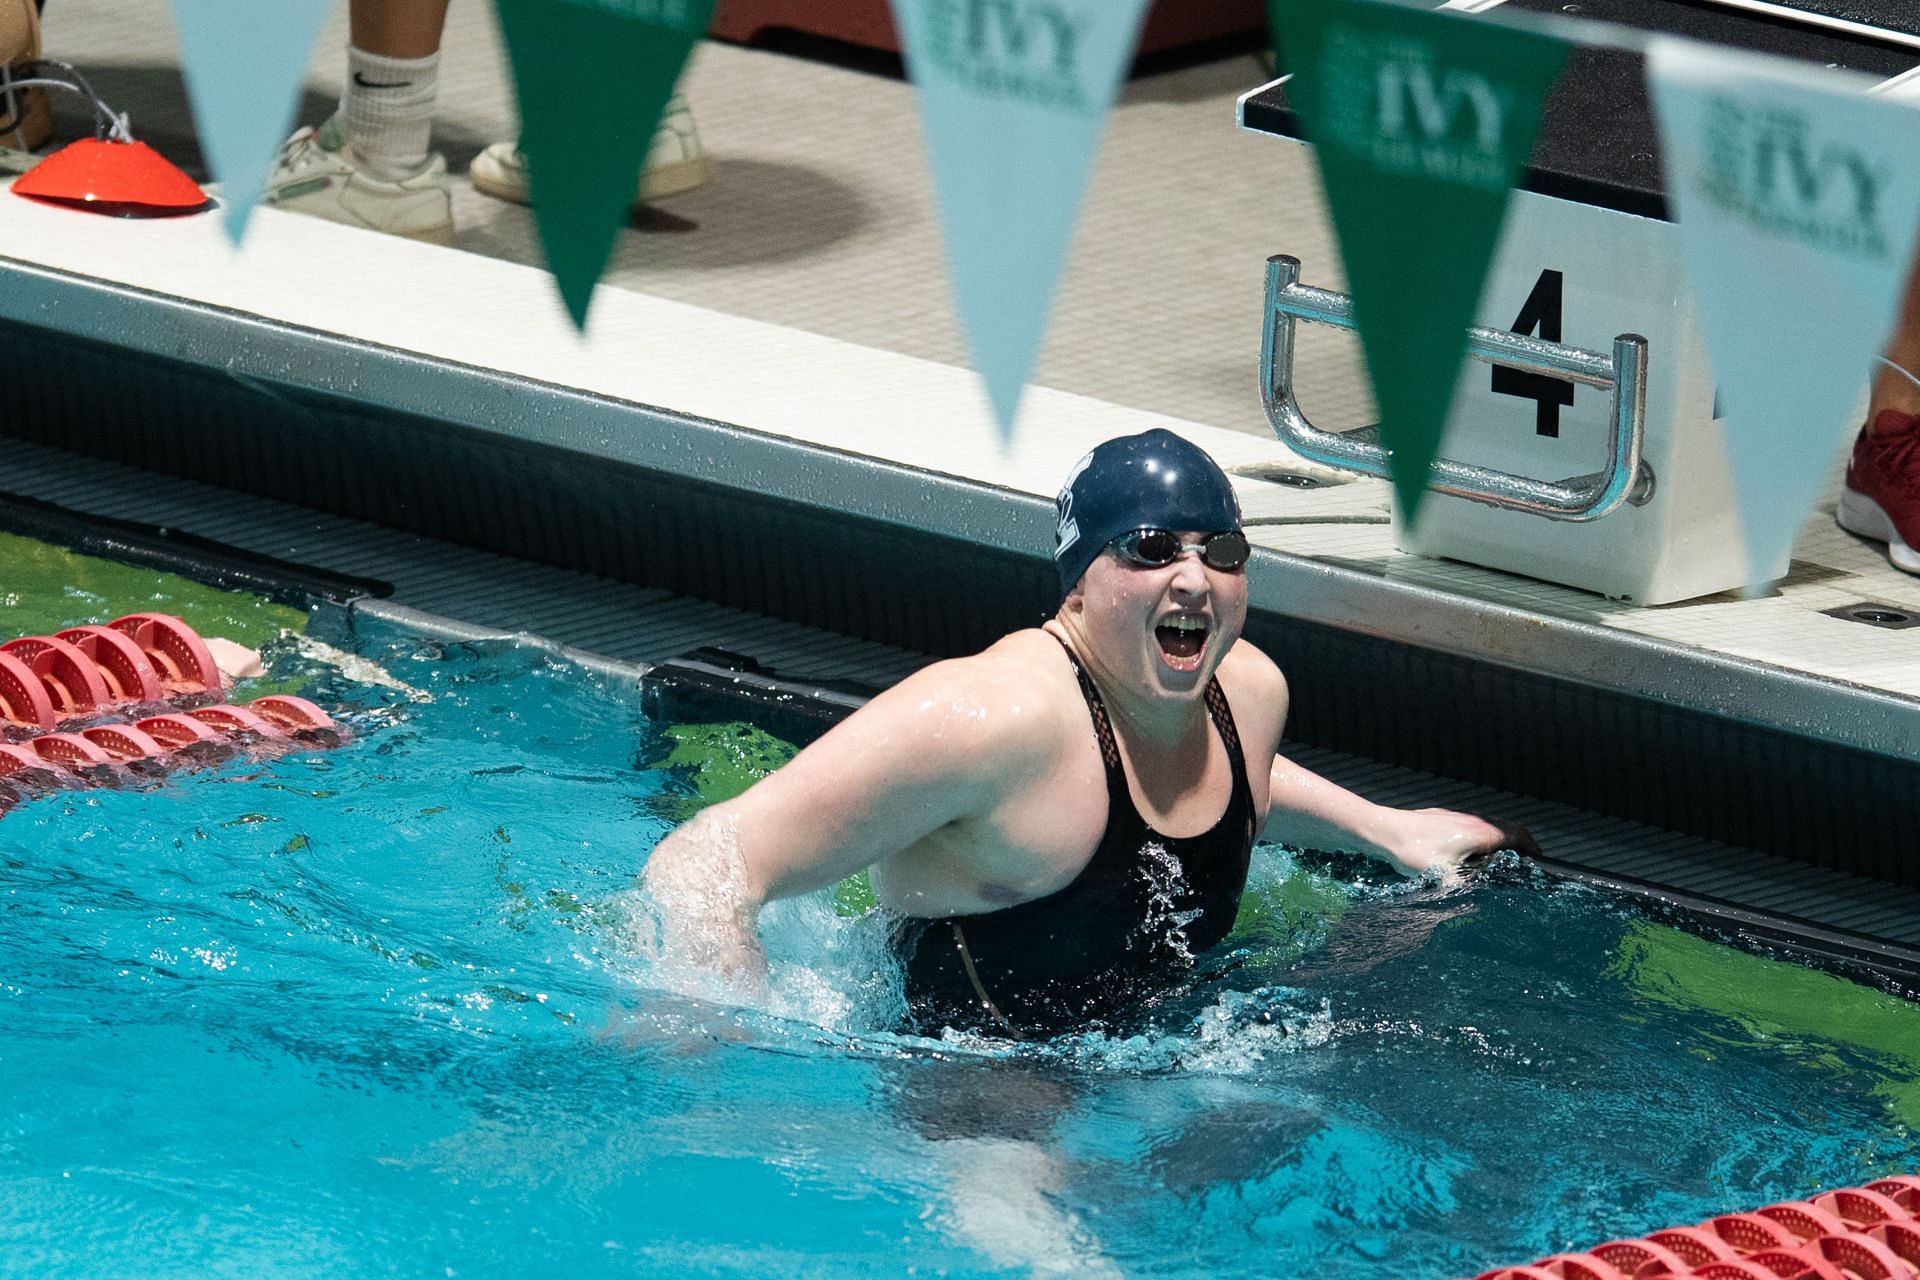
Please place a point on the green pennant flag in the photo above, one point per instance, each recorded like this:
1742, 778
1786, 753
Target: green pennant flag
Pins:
592, 78
1420, 122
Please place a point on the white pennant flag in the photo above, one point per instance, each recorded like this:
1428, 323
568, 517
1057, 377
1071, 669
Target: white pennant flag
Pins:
1013, 96
244, 62
1798, 198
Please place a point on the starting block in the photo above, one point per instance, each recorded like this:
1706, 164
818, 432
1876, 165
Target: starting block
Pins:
1584, 445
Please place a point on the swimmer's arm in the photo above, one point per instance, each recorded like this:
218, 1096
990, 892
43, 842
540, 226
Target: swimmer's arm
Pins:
935, 749
1309, 812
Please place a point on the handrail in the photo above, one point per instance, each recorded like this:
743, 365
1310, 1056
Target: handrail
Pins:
1626, 479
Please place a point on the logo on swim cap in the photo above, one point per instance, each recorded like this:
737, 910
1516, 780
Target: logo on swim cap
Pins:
1154, 480
1067, 531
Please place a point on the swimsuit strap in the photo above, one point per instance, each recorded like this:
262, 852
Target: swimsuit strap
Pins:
1223, 719
1102, 727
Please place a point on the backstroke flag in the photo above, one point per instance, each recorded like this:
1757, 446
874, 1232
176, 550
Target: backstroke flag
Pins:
1798, 197
1420, 122
244, 62
592, 78
1013, 95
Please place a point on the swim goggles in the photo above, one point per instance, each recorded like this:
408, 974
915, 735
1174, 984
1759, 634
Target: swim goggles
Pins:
1158, 548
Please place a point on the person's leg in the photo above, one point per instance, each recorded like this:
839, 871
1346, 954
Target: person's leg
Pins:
371, 164
1897, 388
393, 73
1881, 497
397, 28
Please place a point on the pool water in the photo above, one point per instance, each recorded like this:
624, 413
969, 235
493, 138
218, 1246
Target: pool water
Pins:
383, 1010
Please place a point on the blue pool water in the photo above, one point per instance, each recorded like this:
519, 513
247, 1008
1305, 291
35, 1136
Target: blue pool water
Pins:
380, 1011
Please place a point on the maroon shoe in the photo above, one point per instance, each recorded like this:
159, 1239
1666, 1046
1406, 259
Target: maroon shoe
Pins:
1881, 499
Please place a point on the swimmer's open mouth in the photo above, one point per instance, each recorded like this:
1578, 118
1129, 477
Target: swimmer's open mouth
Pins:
1182, 639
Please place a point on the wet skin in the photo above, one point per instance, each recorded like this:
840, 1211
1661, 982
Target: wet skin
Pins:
977, 783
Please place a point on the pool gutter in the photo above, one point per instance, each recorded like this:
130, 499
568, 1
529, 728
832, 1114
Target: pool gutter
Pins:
938, 564
289, 364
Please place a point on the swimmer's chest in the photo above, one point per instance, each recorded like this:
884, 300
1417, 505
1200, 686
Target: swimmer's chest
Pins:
1040, 837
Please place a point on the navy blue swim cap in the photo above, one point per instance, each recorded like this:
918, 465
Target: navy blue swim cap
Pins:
1154, 480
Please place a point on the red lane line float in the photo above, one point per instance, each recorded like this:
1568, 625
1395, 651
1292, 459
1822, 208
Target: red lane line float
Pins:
1851, 1233
15, 759
1797, 1264
1902, 1239
23, 699
69, 749
1578, 1266
1731, 1271
123, 742
1860, 1255
293, 714
1861, 1207
175, 730
1687, 1247
73, 683
1646, 1257
1750, 1233
1804, 1220
1902, 1190
231, 719
129, 676
175, 650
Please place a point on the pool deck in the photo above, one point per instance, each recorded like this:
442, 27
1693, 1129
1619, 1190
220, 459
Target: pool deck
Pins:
788, 328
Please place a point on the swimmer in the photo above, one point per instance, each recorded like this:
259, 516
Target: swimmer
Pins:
1062, 822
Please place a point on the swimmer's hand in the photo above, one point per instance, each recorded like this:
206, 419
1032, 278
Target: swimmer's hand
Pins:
704, 918
1310, 812
1419, 841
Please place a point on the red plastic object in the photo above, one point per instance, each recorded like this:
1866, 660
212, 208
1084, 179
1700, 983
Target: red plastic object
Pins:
1805, 1221
129, 676
231, 719
1902, 1238
69, 749
292, 714
1796, 1264
122, 179
175, 649
1578, 1266
1861, 1207
174, 730
1861, 1255
123, 742
1750, 1233
1694, 1246
1852, 1233
73, 683
23, 699
1731, 1271
15, 759
1642, 1257
1903, 1190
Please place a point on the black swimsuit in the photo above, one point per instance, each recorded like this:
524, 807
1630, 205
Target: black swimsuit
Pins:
1133, 921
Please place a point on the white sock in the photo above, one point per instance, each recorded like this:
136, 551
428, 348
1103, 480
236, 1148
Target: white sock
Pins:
386, 109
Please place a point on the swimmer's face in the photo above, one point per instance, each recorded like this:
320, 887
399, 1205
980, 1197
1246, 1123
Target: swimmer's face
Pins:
1161, 630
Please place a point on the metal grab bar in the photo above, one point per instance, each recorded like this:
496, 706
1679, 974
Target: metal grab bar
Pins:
1627, 477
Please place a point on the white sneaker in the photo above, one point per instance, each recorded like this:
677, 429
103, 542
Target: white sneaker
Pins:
675, 162
317, 173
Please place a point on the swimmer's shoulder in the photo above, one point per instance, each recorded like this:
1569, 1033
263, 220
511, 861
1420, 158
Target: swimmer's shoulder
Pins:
1007, 699
1257, 691
1248, 667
